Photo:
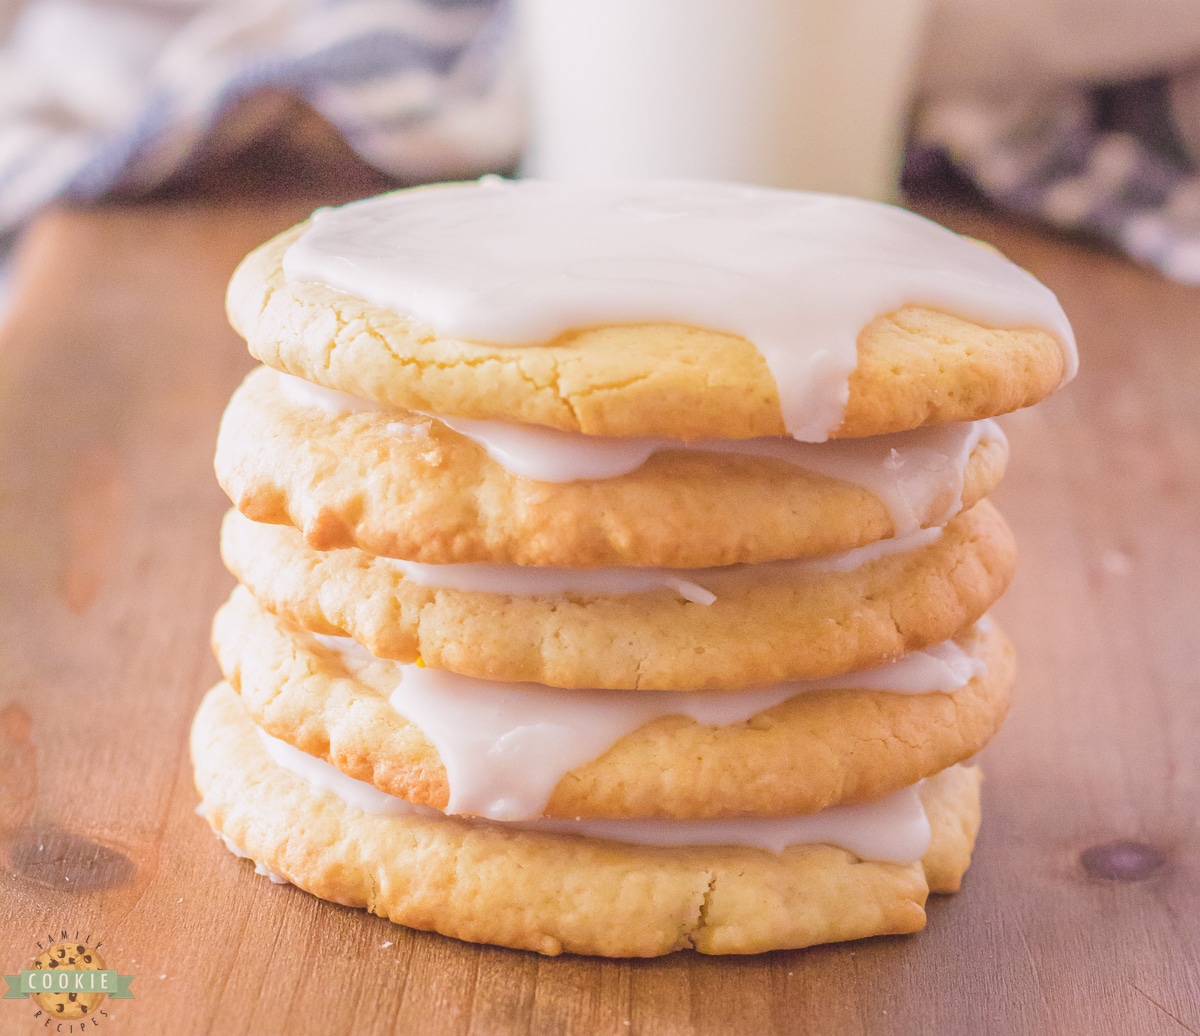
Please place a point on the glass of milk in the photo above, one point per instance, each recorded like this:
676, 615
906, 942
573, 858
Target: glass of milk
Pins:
808, 94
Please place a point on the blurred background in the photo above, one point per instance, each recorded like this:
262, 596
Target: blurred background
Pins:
1083, 115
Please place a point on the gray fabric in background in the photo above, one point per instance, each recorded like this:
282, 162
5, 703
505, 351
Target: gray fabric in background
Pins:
97, 98
1115, 162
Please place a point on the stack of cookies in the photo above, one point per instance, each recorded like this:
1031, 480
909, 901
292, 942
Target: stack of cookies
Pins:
614, 561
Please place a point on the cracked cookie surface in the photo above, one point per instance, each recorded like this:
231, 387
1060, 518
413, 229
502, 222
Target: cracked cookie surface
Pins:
772, 622
560, 893
817, 749
422, 492
915, 366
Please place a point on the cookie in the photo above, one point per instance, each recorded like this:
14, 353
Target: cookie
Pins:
687, 378
787, 756
423, 492
771, 622
552, 893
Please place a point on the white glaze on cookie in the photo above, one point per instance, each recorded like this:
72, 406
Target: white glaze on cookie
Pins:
528, 581
692, 584
506, 746
797, 274
259, 868
893, 829
305, 393
917, 475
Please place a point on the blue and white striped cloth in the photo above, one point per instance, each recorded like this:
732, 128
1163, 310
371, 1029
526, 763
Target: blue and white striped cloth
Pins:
1115, 162
99, 98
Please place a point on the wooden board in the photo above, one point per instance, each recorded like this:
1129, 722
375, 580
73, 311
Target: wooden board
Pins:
1080, 915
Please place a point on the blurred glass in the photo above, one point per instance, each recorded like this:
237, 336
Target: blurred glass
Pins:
809, 94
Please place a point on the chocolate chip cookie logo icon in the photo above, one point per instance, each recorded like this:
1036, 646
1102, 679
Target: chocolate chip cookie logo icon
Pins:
68, 981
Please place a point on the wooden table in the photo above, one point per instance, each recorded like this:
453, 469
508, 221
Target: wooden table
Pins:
1081, 913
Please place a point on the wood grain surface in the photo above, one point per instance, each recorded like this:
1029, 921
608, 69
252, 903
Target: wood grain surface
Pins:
1081, 913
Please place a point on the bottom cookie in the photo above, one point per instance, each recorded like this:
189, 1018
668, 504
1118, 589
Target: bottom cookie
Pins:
487, 882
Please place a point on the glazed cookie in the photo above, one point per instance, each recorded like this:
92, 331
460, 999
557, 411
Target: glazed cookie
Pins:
406, 486
790, 750
771, 622
550, 892
601, 364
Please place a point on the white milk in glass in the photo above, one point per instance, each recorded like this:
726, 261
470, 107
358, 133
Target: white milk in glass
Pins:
809, 94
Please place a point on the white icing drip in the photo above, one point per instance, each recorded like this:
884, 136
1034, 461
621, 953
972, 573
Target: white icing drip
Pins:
259, 868
325, 777
894, 829
359, 794
305, 393
529, 581
233, 847
266, 872
797, 274
405, 430
848, 561
918, 475
506, 746
548, 455
697, 585
350, 649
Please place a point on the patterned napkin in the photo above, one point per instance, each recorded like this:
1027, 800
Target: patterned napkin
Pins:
1114, 162
97, 98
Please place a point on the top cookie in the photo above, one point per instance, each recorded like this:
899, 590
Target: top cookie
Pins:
684, 310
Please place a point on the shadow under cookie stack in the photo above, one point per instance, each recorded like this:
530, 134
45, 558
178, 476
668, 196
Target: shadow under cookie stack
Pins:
660, 624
